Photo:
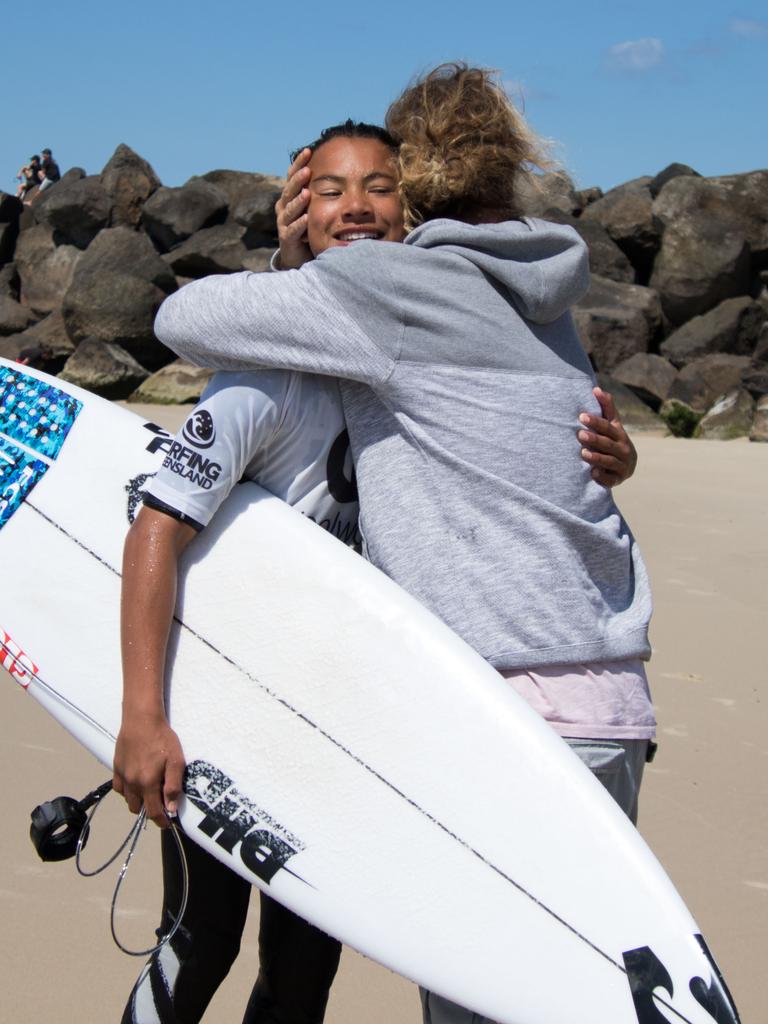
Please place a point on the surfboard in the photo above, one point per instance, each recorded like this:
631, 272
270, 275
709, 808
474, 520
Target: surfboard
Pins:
346, 751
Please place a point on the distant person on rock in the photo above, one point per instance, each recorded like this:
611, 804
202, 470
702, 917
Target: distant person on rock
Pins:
27, 177
49, 172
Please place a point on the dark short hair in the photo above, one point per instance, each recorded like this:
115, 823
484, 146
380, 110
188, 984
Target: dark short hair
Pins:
350, 129
34, 157
46, 151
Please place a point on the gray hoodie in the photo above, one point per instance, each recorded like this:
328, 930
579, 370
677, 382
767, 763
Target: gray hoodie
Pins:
463, 381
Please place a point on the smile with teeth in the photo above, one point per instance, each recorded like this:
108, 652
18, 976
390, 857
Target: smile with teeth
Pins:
356, 236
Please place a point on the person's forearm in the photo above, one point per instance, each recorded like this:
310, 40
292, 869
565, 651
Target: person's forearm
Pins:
148, 601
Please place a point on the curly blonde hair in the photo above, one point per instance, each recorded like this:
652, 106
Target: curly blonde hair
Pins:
463, 148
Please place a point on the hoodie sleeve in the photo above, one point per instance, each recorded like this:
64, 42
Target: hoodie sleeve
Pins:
291, 321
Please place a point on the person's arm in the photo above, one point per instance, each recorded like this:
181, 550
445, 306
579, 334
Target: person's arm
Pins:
607, 446
289, 321
149, 762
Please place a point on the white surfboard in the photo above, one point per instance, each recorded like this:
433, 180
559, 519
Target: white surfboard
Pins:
347, 752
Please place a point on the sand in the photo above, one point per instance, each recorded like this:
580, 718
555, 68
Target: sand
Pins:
699, 511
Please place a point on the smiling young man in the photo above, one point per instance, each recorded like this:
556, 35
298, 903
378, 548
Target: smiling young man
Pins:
285, 430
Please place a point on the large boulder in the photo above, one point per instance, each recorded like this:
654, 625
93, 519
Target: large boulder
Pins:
258, 260
13, 316
216, 250
171, 215
731, 416
256, 212
731, 327
670, 171
10, 212
615, 321
118, 309
76, 211
755, 376
759, 431
129, 181
104, 368
634, 413
175, 384
124, 251
702, 382
746, 197
626, 213
551, 196
239, 185
649, 376
10, 285
8, 235
705, 256
45, 269
605, 257
49, 340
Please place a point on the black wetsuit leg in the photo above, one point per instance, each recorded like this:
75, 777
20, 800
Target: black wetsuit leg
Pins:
181, 979
298, 963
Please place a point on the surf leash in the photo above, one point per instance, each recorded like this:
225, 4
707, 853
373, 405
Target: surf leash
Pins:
60, 829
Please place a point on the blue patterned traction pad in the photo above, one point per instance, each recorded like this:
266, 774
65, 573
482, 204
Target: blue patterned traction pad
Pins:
38, 416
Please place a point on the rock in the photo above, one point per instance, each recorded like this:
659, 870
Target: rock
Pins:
257, 260
175, 384
705, 256
171, 215
605, 257
634, 413
746, 200
46, 270
755, 377
731, 416
8, 235
104, 368
119, 309
238, 185
12, 346
649, 376
9, 281
702, 382
127, 252
759, 431
50, 338
670, 171
76, 211
256, 212
216, 250
129, 181
626, 213
681, 420
550, 196
616, 321
13, 316
731, 327
585, 196
10, 208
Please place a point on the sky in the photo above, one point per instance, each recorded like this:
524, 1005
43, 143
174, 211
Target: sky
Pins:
623, 89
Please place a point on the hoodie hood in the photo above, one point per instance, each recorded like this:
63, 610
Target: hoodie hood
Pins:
543, 266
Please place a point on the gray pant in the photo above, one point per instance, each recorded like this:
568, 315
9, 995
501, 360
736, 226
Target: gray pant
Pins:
618, 764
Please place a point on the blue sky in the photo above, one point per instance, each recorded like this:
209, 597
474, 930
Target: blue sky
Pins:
624, 88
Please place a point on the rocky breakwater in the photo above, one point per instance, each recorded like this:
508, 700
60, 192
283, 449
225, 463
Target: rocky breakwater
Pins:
84, 268
676, 318
675, 321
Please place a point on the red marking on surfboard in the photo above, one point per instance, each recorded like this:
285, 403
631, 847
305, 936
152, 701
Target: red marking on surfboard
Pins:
15, 661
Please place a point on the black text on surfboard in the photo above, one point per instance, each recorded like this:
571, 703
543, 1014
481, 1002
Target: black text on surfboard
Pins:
234, 821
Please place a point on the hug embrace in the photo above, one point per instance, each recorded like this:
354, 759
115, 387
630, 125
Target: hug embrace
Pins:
417, 313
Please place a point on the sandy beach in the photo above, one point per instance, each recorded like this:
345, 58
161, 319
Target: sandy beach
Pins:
700, 511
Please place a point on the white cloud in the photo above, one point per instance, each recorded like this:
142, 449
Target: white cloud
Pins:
635, 55
748, 27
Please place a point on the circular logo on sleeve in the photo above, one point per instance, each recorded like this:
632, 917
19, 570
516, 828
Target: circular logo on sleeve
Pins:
199, 429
